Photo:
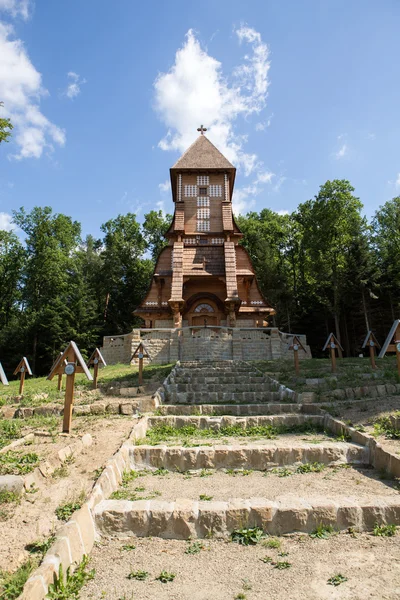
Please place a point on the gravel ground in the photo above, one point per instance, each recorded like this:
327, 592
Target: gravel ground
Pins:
222, 570
287, 439
34, 518
331, 482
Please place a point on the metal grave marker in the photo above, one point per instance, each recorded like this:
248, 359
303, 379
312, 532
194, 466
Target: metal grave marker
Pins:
22, 368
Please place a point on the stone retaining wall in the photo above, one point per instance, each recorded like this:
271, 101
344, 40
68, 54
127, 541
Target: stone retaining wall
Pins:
202, 343
187, 519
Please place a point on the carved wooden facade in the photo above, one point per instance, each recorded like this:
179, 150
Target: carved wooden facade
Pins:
203, 276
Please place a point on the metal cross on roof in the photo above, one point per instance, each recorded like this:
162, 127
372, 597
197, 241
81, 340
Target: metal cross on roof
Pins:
202, 129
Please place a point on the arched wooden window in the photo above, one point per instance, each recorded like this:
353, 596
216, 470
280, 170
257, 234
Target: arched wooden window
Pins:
203, 308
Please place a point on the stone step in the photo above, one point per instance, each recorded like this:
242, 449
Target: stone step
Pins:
231, 380
230, 397
287, 420
219, 387
188, 519
227, 409
259, 457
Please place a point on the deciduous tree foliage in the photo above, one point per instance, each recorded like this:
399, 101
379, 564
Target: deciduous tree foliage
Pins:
323, 268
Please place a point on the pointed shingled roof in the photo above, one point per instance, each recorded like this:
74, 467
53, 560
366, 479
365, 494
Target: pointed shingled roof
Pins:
202, 154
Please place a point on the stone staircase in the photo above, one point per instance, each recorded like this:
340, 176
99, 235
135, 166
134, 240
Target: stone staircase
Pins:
224, 382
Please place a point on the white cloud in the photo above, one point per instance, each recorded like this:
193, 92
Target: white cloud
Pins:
17, 8
282, 212
160, 205
245, 198
164, 187
342, 151
74, 86
264, 177
208, 95
5, 222
21, 90
279, 183
397, 182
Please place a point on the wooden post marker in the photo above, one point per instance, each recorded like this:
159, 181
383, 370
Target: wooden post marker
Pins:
3, 377
295, 346
371, 342
140, 353
392, 343
23, 367
69, 362
332, 344
96, 360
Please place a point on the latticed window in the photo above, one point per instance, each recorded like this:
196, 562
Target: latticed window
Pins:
203, 308
190, 191
203, 225
203, 213
202, 191
217, 240
203, 201
190, 241
203, 180
216, 191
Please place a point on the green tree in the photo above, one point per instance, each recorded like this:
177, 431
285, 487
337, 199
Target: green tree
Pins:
12, 257
330, 224
125, 274
51, 240
154, 227
5, 127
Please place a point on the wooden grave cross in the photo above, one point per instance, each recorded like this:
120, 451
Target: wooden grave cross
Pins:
56, 364
140, 353
333, 343
372, 343
23, 367
69, 363
295, 346
96, 360
3, 376
392, 343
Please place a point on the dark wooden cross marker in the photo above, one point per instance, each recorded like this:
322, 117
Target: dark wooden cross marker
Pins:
202, 129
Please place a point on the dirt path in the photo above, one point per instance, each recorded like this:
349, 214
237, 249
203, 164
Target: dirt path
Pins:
223, 570
34, 517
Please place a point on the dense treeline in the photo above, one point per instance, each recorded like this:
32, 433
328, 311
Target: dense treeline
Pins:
56, 287
323, 267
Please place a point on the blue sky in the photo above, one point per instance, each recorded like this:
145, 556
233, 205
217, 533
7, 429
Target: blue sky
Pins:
106, 96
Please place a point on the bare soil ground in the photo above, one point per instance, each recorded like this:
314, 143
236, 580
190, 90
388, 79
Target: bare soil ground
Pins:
281, 440
331, 482
34, 518
223, 570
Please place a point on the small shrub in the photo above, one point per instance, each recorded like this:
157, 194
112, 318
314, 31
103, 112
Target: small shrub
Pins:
139, 575
247, 537
322, 532
64, 511
40, 546
282, 564
272, 543
194, 548
384, 530
11, 584
9, 497
128, 547
337, 579
205, 497
68, 587
266, 559
166, 577
315, 467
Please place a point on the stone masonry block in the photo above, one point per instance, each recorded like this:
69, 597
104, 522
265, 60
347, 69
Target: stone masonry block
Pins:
212, 519
72, 532
160, 513
237, 514
84, 520
349, 514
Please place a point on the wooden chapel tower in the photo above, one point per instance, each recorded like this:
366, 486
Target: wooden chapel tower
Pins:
203, 277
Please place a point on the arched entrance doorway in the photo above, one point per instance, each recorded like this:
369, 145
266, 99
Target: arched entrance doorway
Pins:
203, 311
